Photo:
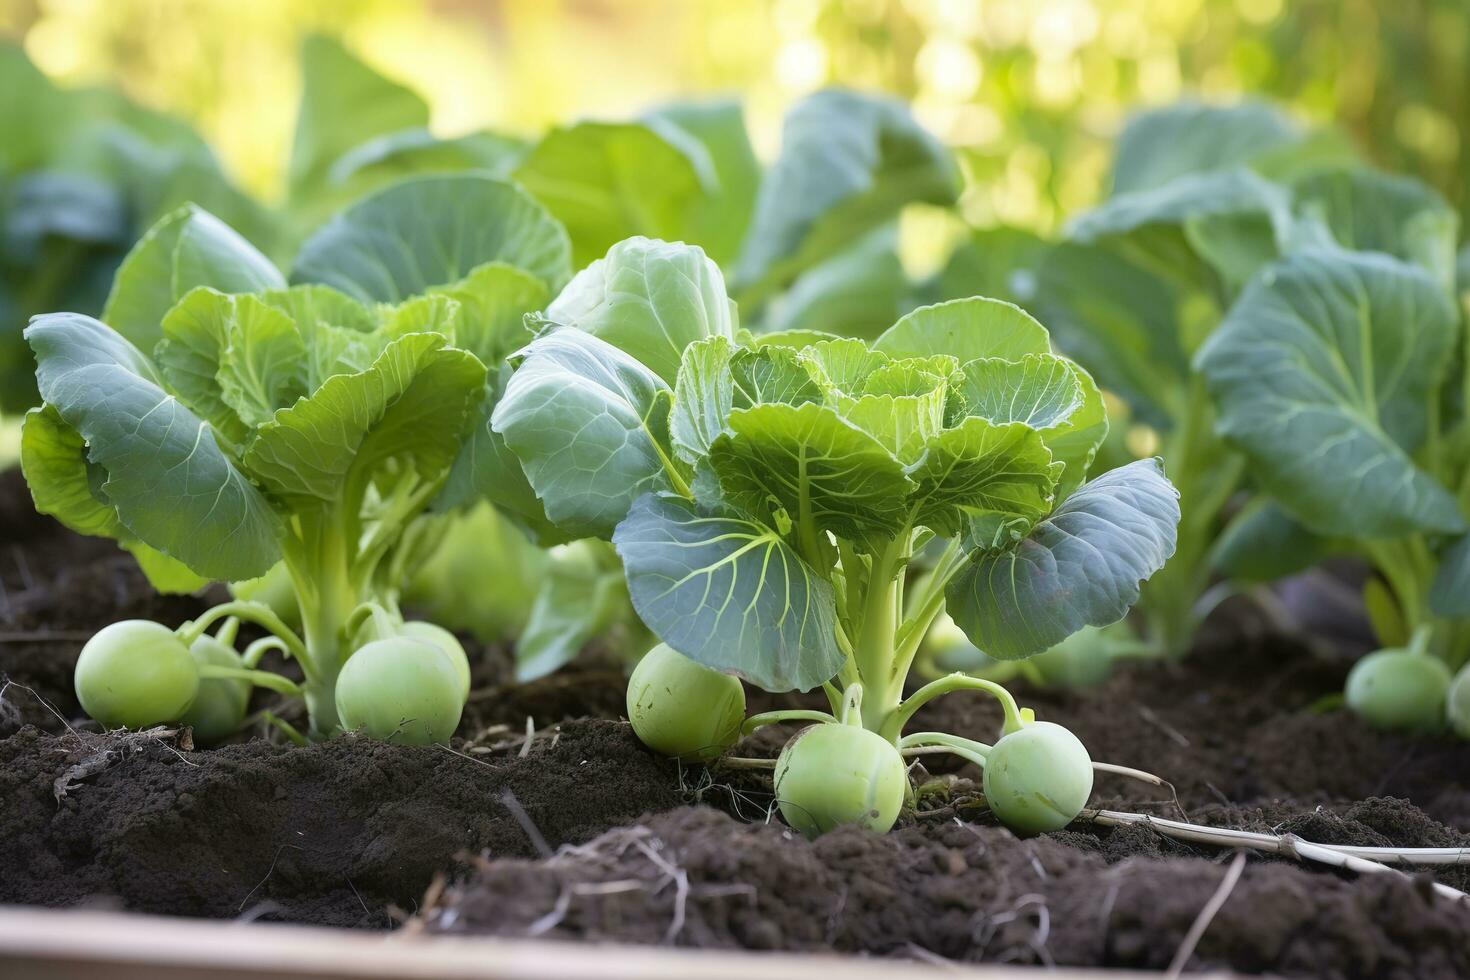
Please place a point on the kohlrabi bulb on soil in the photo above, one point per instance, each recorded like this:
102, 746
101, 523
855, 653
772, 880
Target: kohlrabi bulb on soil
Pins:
1457, 703
400, 690
219, 707
682, 708
440, 637
1038, 778
136, 674
1400, 690
832, 774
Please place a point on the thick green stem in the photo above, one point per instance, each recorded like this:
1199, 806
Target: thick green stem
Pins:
319, 561
789, 714
261, 615
965, 748
260, 678
892, 728
874, 650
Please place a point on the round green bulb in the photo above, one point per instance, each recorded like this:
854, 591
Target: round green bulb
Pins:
682, 708
1399, 690
219, 707
400, 690
832, 774
1038, 778
136, 674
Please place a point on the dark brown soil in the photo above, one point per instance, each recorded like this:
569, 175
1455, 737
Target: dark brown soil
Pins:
356, 833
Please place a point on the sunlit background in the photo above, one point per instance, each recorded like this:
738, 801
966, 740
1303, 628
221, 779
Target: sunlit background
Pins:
1029, 91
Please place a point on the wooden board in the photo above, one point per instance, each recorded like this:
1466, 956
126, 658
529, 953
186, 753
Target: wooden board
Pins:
87, 945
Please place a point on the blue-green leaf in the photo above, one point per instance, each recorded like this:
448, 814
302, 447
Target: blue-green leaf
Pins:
1082, 566
650, 299
430, 231
590, 427
729, 593
1324, 373
157, 462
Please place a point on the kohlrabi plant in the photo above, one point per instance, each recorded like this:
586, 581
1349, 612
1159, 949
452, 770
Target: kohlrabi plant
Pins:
222, 421
1201, 198
767, 494
1340, 376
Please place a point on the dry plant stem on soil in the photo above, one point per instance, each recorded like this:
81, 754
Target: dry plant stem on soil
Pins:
1366, 860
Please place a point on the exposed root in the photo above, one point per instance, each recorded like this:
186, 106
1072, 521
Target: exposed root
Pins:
1206, 916
1365, 860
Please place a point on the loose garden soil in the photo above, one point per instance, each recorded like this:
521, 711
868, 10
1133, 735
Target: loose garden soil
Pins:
573, 830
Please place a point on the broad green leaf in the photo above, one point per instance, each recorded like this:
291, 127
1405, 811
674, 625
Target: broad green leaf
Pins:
414, 151
1192, 198
718, 220
415, 402
1161, 145
848, 164
339, 332
343, 103
590, 427
730, 594
967, 328
167, 575
1046, 393
486, 469
1450, 593
34, 114
172, 486
1040, 390
1125, 323
578, 601
610, 181
195, 335
858, 292
1365, 210
771, 373
704, 393
1082, 566
1324, 373
841, 367
431, 231
981, 466
989, 262
54, 204
264, 366
650, 299
66, 486
186, 248
494, 300
1264, 543
806, 461
62, 481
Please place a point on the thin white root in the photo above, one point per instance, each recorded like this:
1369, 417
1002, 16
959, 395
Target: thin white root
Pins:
1205, 917
1138, 774
1365, 860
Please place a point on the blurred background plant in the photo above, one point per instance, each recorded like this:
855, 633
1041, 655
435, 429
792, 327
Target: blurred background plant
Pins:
1030, 92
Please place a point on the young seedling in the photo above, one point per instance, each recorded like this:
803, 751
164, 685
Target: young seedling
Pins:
313, 425
767, 495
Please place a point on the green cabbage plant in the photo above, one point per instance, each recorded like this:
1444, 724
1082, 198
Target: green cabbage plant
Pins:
219, 420
768, 493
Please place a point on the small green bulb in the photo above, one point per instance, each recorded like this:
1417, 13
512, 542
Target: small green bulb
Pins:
1399, 690
219, 707
682, 708
400, 690
1038, 778
832, 774
136, 674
